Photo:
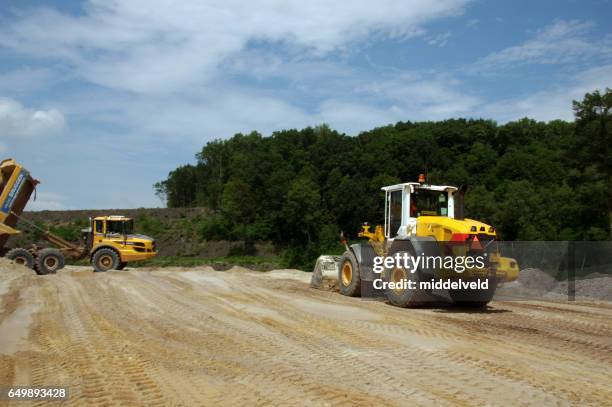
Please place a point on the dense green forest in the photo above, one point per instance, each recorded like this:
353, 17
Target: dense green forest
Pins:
299, 188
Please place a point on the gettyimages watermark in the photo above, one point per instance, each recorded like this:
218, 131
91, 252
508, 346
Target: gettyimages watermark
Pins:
410, 264
512, 270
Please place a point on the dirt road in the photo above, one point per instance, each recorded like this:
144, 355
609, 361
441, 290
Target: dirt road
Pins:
201, 337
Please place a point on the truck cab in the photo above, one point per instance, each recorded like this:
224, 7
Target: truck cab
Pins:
116, 233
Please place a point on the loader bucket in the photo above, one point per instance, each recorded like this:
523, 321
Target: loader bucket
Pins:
325, 268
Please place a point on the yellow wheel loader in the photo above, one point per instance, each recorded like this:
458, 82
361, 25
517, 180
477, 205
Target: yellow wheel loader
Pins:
109, 242
425, 247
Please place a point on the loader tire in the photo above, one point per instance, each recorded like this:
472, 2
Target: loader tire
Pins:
105, 259
49, 261
21, 256
474, 298
405, 297
122, 265
349, 280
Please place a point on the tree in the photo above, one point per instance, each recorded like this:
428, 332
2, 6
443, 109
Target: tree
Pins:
299, 188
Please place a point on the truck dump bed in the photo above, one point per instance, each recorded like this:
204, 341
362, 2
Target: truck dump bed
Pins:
16, 187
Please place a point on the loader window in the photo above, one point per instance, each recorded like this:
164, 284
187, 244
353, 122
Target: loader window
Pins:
429, 203
395, 213
99, 226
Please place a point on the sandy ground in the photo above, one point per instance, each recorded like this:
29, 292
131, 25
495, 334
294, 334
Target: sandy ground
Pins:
201, 337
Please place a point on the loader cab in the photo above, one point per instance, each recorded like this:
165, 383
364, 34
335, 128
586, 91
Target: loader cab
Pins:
404, 203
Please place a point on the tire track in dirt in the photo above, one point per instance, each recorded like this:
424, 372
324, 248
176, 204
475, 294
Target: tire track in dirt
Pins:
234, 338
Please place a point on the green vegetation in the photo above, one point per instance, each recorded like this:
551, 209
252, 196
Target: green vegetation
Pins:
252, 262
299, 188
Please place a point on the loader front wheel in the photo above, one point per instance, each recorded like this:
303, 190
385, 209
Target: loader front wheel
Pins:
402, 289
471, 298
21, 256
349, 280
105, 259
49, 261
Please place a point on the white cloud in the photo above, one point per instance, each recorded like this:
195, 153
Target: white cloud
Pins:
24, 79
19, 121
163, 46
350, 100
421, 96
553, 103
473, 23
353, 117
560, 42
47, 201
439, 40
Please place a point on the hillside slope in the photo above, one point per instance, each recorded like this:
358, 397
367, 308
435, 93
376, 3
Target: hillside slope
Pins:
178, 231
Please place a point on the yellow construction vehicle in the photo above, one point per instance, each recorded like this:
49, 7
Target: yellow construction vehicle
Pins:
422, 221
109, 241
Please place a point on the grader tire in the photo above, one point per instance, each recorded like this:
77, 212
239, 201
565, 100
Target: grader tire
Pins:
21, 256
49, 261
349, 280
105, 259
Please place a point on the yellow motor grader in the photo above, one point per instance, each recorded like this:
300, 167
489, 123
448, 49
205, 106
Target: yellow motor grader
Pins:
414, 255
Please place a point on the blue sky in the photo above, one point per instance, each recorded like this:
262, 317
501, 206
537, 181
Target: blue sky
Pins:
102, 98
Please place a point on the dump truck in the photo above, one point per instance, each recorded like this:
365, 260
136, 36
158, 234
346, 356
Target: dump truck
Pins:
421, 221
109, 241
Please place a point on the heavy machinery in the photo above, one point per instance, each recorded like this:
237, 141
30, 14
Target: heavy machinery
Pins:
109, 241
423, 221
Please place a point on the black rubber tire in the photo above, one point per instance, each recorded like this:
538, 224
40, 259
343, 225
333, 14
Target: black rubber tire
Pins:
405, 297
105, 259
349, 280
474, 298
21, 256
49, 261
122, 265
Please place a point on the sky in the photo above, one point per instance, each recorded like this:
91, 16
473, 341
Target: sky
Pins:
100, 99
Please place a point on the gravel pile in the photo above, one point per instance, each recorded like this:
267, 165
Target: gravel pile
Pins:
594, 286
536, 279
535, 282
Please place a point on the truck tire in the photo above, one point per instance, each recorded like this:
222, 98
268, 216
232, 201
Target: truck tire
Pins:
405, 297
122, 265
105, 259
21, 256
349, 280
49, 261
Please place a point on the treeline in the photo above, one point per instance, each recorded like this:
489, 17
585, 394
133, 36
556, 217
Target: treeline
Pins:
299, 188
